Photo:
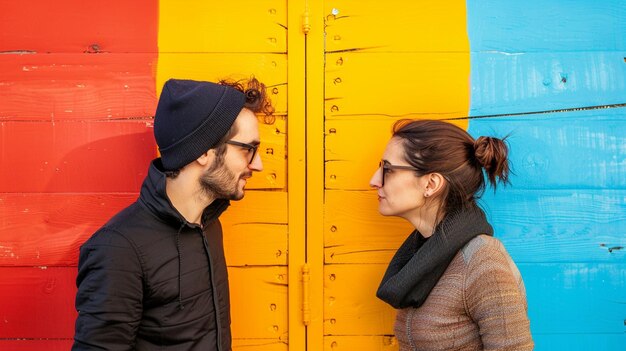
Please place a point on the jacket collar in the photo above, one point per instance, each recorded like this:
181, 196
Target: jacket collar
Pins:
154, 197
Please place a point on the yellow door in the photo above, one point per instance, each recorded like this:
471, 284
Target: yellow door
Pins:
306, 248
264, 234
373, 63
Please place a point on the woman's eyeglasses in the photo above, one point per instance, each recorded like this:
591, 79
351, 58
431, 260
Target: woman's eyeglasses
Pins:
385, 166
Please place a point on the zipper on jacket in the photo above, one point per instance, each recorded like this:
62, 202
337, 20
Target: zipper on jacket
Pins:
213, 287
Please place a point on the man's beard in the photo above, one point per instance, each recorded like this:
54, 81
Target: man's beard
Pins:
220, 182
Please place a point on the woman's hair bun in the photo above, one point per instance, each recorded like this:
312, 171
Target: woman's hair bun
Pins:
492, 154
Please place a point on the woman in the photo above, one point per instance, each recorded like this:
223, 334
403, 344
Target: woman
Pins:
454, 285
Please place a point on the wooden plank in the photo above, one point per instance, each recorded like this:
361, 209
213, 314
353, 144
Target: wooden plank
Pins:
504, 83
361, 343
349, 164
37, 293
411, 85
577, 225
75, 156
512, 26
36, 344
207, 28
258, 302
76, 26
48, 229
41, 302
564, 297
271, 69
579, 341
394, 26
257, 207
596, 289
53, 87
574, 150
543, 151
260, 345
350, 303
273, 155
256, 244
354, 231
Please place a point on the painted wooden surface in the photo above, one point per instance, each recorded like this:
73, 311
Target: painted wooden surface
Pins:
396, 26
77, 156
75, 26
353, 311
260, 344
77, 95
36, 344
48, 228
353, 150
401, 85
41, 302
562, 219
259, 302
79, 87
270, 68
361, 343
354, 231
235, 40
242, 26
413, 61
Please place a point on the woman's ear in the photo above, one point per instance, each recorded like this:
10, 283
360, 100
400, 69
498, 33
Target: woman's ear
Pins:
435, 182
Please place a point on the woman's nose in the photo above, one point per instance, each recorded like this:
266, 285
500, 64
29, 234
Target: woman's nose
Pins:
377, 180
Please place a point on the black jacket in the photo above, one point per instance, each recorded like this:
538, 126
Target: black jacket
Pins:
149, 280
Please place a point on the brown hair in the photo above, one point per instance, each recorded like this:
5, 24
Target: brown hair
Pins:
257, 99
434, 146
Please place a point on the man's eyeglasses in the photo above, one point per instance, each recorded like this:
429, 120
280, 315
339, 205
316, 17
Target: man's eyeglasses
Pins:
251, 148
385, 167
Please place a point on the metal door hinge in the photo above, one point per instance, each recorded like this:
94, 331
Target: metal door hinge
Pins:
306, 22
306, 307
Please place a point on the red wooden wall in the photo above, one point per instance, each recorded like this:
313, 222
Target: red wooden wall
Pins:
77, 97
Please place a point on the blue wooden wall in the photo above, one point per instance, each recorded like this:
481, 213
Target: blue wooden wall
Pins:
564, 217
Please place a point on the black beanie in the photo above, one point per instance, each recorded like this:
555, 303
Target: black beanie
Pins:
192, 117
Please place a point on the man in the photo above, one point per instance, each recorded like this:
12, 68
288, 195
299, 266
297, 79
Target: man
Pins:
154, 276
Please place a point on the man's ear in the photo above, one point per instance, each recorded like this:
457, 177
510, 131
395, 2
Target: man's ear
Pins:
435, 182
206, 158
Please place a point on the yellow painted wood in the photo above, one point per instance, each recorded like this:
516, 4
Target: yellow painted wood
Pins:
315, 170
396, 25
354, 231
258, 302
260, 345
272, 152
257, 207
350, 303
353, 151
296, 168
406, 85
222, 26
256, 244
361, 343
271, 69
210, 41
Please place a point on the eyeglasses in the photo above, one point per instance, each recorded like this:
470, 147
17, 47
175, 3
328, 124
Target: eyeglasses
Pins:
248, 147
385, 166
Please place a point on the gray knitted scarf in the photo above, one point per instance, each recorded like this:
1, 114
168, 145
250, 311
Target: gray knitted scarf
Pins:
418, 264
